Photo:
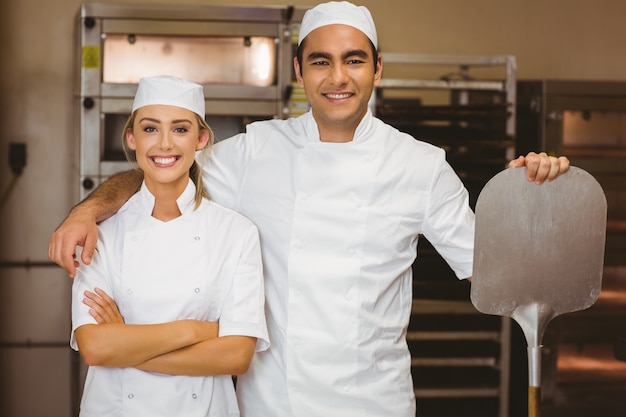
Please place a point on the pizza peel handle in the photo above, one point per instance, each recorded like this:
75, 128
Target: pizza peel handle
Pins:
538, 253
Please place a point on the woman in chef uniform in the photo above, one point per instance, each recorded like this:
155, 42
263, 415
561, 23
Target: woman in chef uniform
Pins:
169, 266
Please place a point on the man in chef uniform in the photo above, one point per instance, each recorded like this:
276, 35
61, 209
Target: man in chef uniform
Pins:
339, 199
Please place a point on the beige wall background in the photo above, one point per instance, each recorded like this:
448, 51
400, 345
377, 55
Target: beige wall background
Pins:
553, 39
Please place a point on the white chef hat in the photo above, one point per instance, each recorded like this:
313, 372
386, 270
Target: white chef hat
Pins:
171, 91
338, 13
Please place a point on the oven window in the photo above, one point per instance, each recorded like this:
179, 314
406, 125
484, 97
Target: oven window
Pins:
594, 129
205, 60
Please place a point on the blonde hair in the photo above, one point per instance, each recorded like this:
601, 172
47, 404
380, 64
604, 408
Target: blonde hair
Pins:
195, 171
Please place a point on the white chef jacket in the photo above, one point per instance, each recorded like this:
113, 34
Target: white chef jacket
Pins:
203, 265
339, 226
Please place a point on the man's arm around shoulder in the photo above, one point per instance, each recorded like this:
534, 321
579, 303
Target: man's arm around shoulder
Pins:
80, 226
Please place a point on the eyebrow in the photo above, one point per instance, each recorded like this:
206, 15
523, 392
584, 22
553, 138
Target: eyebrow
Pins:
150, 119
325, 55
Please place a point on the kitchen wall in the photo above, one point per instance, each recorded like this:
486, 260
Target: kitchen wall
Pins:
571, 39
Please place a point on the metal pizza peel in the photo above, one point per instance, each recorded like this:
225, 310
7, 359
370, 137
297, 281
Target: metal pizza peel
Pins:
538, 253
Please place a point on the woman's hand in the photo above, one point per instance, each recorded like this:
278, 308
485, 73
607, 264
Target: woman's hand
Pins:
102, 307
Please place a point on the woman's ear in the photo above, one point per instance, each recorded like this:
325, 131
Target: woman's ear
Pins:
130, 140
203, 139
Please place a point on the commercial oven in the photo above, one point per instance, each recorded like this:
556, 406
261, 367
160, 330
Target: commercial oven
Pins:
243, 56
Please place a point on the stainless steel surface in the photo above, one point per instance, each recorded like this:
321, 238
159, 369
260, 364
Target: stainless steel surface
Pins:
539, 251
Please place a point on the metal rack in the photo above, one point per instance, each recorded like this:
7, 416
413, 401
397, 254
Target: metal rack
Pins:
466, 105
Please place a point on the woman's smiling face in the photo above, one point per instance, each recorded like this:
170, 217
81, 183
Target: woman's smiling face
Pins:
165, 139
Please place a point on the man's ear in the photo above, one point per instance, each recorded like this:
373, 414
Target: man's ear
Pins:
379, 71
298, 71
